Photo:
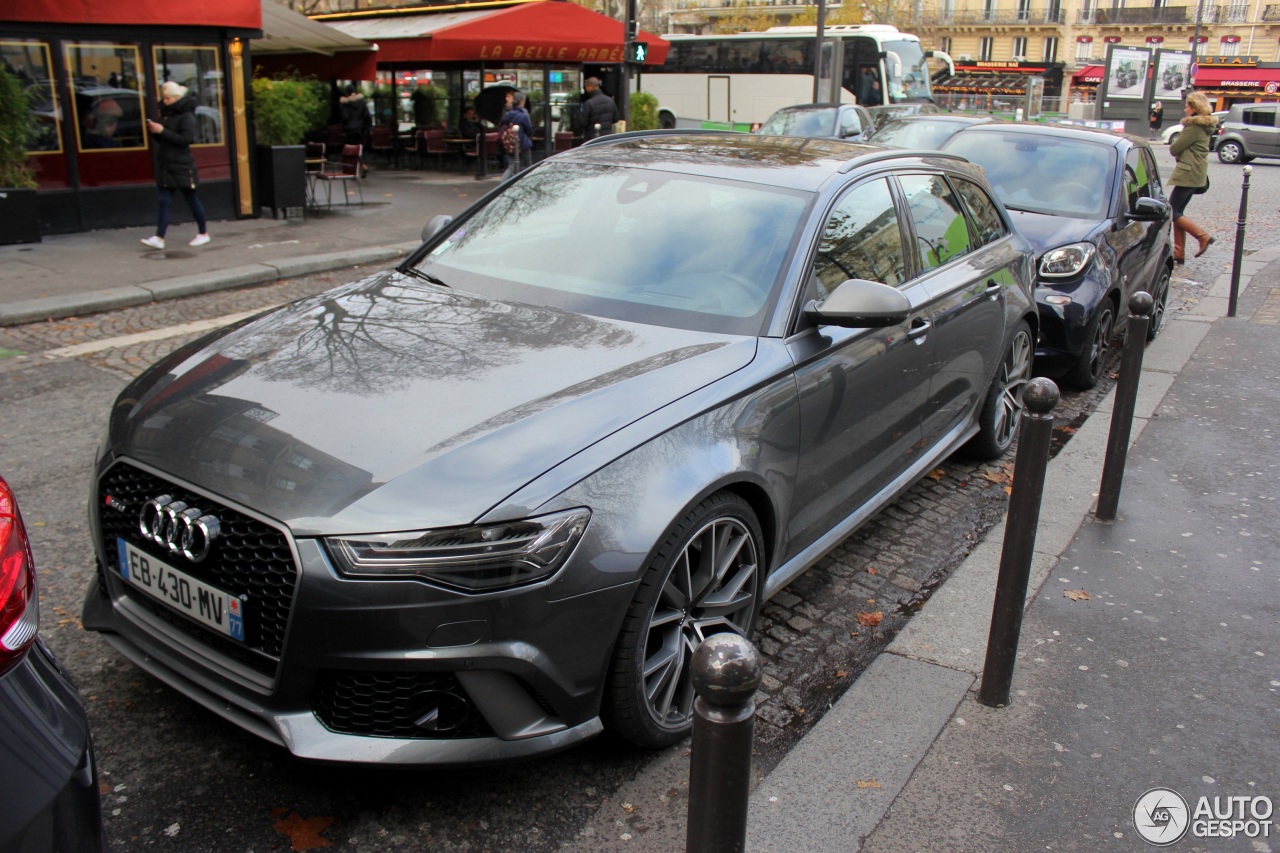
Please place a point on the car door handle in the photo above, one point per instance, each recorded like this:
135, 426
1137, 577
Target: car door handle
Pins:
994, 289
917, 332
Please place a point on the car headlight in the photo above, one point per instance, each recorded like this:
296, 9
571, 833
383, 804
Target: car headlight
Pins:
1066, 261
481, 558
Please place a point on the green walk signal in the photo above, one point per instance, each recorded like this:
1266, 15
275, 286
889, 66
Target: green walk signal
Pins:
637, 51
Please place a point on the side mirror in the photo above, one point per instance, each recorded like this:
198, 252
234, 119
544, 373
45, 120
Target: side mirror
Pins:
861, 304
1148, 209
435, 226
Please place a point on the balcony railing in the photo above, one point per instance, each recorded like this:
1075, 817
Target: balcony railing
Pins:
1235, 13
1271, 14
942, 17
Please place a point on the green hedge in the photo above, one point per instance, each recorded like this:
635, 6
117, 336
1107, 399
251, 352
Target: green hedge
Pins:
286, 108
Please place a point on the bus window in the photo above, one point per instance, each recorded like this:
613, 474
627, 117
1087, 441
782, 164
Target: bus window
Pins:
861, 69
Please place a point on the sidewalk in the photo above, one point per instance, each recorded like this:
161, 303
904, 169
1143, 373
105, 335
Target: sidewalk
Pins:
1158, 670
70, 274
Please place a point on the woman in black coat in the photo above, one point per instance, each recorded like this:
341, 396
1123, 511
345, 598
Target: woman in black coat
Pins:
173, 136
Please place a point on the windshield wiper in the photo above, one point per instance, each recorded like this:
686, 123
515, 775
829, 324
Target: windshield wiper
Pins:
425, 276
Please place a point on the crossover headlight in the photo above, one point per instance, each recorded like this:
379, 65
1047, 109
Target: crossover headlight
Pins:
473, 559
1066, 261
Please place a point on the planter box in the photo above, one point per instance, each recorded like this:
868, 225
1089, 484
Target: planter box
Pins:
282, 177
19, 216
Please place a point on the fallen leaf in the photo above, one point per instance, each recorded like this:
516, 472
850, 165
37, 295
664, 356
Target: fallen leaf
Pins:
1076, 594
304, 832
628, 808
866, 783
871, 571
870, 620
840, 673
936, 474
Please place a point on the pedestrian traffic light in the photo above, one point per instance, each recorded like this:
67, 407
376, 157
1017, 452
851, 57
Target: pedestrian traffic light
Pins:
637, 51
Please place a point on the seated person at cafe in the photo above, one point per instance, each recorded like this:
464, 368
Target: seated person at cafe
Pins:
470, 126
101, 124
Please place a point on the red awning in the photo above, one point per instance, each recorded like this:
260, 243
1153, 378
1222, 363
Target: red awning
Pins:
538, 31
1088, 74
291, 41
1231, 75
238, 14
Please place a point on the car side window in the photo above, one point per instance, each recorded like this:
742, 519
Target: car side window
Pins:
1153, 174
983, 210
942, 233
862, 238
1260, 118
1137, 178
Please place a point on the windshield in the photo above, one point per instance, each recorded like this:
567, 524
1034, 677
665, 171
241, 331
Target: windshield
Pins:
807, 122
626, 243
915, 133
1043, 174
912, 79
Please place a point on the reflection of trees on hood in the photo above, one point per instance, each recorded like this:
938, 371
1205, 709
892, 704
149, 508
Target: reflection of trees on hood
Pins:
374, 336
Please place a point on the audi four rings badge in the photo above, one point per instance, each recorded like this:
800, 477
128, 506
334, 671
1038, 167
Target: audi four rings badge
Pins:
181, 529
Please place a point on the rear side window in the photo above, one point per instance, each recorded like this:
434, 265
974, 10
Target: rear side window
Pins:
1265, 117
942, 233
986, 217
1137, 177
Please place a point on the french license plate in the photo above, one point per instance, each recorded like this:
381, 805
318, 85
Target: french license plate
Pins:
208, 605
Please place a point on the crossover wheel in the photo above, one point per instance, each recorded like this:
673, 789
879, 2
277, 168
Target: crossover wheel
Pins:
1230, 152
1087, 370
706, 578
1002, 410
1159, 304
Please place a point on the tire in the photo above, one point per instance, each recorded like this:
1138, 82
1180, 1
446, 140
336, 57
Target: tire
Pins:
1174, 138
1002, 409
1160, 304
1087, 370
666, 120
683, 597
1230, 151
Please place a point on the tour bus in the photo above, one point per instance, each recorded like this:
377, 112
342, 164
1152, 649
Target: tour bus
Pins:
737, 81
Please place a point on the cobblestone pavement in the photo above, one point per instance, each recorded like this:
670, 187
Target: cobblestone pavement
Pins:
820, 632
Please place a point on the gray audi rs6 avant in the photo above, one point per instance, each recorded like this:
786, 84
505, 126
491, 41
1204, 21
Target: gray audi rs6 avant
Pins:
487, 504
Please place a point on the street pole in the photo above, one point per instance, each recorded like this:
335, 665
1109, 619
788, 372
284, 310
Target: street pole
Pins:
630, 30
817, 51
1195, 45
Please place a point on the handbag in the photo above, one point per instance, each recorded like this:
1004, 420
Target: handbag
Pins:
1204, 189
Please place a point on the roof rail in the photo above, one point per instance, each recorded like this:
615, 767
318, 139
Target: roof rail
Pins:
893, 154
680, 131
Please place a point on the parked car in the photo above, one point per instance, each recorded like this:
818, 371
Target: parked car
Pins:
1248, 131
1170, 133
1091, 204
884, 112
923, 131
48, 779
487, 504
834, 121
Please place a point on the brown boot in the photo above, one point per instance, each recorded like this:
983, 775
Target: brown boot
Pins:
1179, 243
1197, 232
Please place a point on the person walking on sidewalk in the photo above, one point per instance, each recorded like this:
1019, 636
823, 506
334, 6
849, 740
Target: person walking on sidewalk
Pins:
1156, 117
518, 117
1191, 175
176, 170
599, 111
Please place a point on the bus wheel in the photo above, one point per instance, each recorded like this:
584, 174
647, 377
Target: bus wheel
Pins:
666, 120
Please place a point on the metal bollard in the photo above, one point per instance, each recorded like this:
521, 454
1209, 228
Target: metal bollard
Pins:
1122, 411
726, 672
1040, 396
1240, 223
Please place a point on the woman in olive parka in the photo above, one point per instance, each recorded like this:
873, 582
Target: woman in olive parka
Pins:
1191, 148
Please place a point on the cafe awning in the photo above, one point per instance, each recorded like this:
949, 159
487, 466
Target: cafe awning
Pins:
236, 14
1231, 75
535, 31
291, 41
1090, 75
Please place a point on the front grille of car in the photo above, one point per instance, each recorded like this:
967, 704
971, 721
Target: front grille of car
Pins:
422, 705
251, 558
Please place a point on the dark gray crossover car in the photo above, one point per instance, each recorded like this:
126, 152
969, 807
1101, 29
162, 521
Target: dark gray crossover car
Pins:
487, 504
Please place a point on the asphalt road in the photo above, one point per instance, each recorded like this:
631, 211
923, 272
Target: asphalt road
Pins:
177, 777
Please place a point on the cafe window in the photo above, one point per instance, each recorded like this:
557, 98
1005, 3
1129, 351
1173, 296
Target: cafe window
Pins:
198, 69
29, 61
107, 81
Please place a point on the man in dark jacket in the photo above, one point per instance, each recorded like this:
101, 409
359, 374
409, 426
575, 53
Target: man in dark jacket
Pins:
176, 168
599, 112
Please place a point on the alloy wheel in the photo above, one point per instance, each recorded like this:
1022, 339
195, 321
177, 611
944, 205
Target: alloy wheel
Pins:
1159, 304
1100, 344
712, 588
1014, 375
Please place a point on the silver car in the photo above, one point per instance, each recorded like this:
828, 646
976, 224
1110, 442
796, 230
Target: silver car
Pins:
486, 505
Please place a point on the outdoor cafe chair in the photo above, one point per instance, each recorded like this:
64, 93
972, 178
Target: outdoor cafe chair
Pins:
343, 172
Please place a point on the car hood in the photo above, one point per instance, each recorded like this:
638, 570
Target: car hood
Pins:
392, 404
1045, 231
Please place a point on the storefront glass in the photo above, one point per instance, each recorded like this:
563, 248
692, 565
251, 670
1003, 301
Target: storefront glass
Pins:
107, 80
198, 69
29, 61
